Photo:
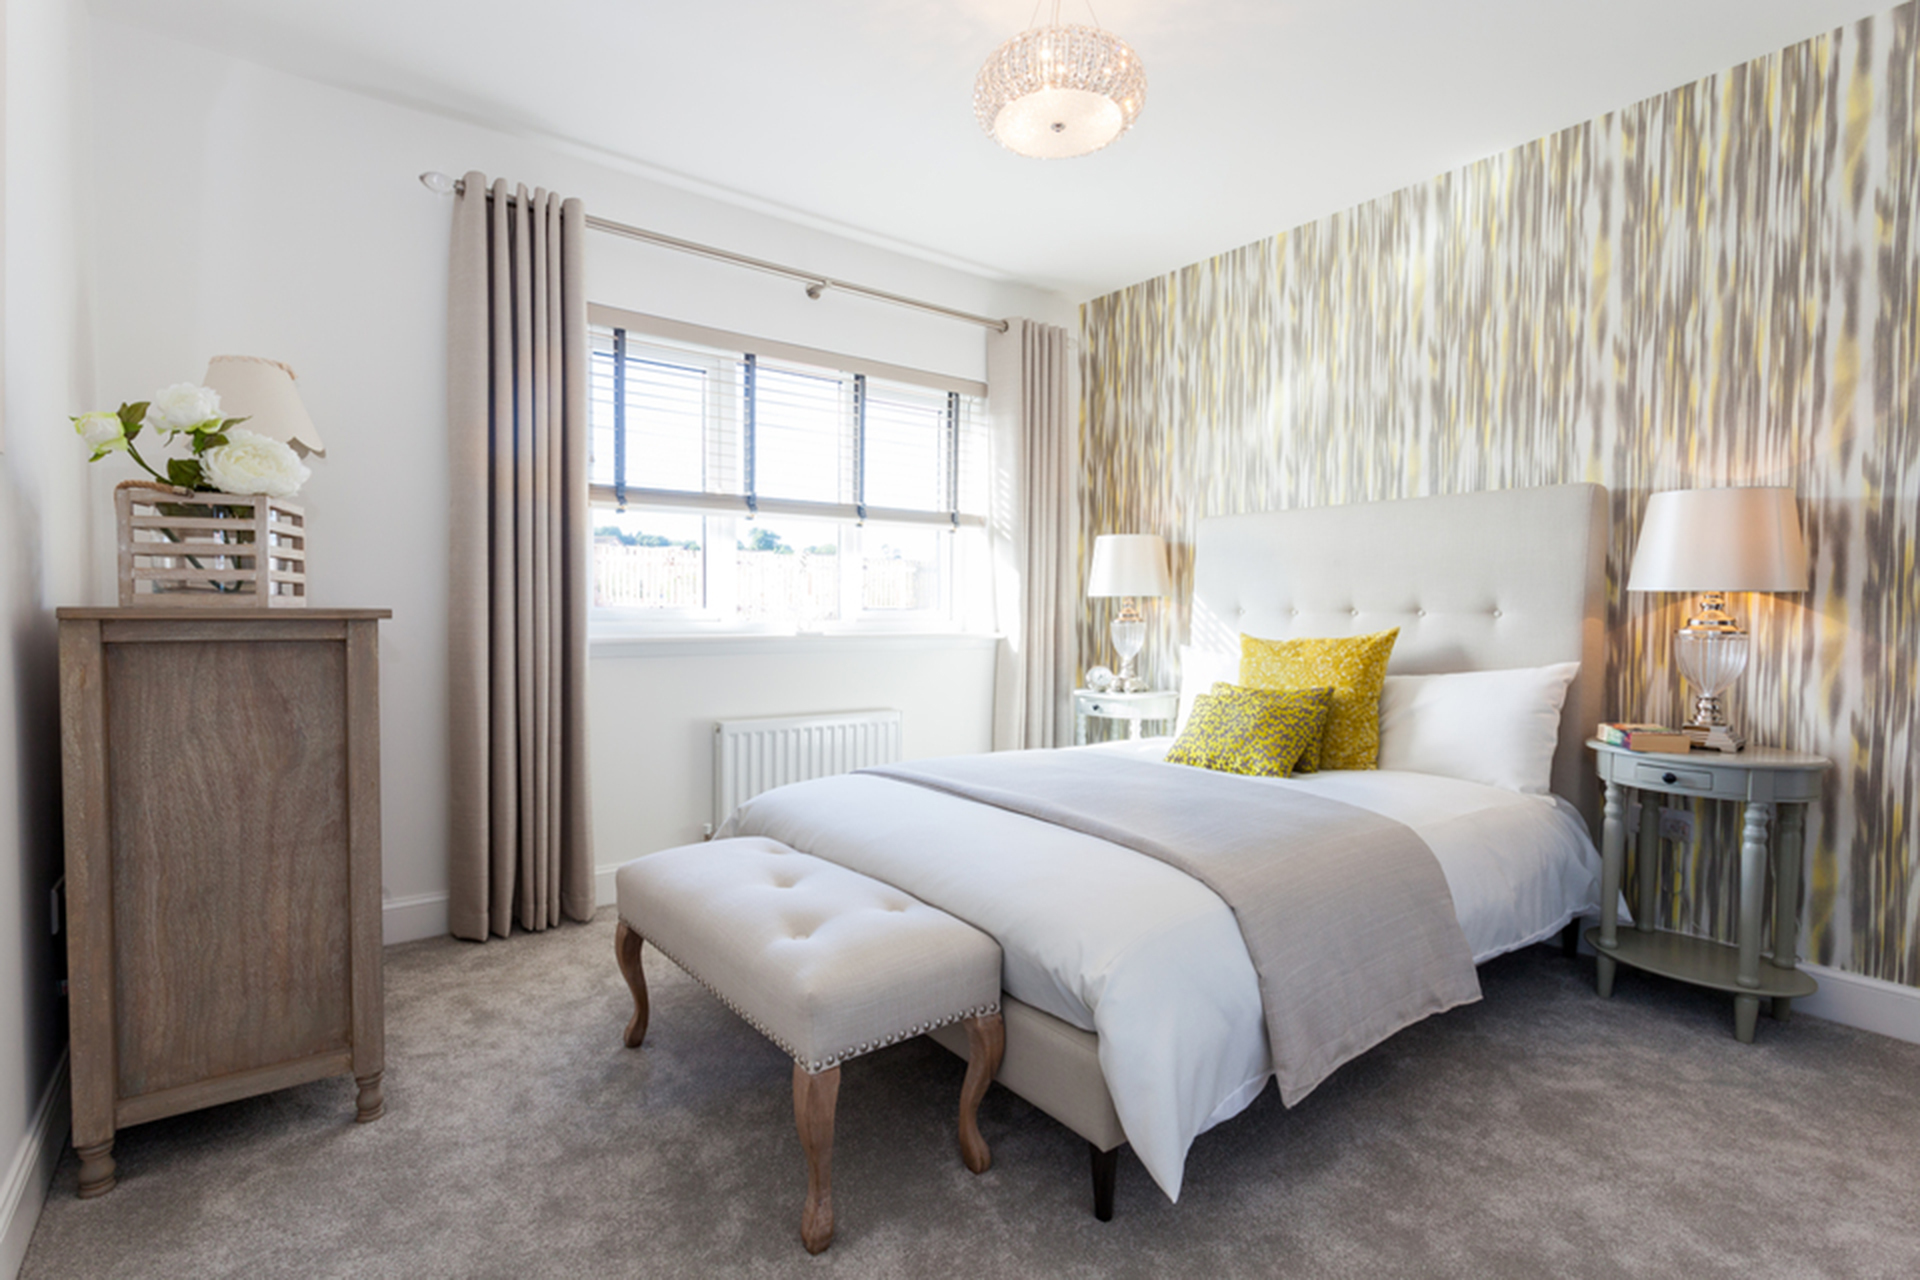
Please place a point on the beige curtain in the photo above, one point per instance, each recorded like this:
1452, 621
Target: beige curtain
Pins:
1032, 402
521, 845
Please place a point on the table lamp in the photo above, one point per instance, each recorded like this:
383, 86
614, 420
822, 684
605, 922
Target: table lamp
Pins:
262, 392
1713, 541
1130, 566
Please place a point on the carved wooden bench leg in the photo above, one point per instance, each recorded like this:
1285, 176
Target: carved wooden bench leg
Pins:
626, 948
986, 1042
1106, 1170
813, 1101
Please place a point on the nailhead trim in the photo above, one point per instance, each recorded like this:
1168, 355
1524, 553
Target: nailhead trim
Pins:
832, 1060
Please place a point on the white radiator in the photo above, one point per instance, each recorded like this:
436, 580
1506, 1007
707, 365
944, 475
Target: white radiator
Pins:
751, 756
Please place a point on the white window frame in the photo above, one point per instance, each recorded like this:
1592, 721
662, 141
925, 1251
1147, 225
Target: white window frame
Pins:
727, 517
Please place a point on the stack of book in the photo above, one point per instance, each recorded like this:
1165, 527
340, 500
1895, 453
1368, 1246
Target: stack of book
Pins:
1644, 737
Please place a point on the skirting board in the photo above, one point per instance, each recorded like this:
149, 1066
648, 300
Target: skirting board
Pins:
24, 1189
409, 919
424, 915
1858, 1001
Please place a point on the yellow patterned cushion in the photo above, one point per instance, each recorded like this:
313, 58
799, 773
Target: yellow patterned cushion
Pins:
1255, 731
1309, 760
1356, 669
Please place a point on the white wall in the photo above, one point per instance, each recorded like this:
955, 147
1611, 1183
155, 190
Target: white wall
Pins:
43, 558
653, 758
243, 210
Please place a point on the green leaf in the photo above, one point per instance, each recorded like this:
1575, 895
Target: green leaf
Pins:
230, 422
131, 415
184, 472
211, 440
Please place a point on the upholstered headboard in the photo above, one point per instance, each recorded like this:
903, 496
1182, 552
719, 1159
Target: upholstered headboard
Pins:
1474, 581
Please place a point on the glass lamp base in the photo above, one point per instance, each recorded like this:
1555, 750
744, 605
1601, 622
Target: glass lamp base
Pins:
1711, 660
1129, 637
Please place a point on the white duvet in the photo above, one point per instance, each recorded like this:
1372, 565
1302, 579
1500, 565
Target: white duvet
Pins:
1123, 944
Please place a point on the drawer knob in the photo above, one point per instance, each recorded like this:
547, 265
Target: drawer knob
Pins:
1669, 778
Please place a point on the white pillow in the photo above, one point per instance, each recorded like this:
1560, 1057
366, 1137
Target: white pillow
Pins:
1496, 727
1200, 670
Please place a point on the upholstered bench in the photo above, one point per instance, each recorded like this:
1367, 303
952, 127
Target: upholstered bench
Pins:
826, 963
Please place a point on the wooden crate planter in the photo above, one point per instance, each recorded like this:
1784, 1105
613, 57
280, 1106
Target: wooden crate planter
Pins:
201, 550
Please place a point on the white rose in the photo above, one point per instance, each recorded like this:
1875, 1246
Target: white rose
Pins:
182, 407
102, 431
252, 463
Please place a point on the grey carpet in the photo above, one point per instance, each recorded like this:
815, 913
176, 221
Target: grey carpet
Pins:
1542, 1132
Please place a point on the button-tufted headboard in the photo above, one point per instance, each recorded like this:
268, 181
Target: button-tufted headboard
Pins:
1474, 581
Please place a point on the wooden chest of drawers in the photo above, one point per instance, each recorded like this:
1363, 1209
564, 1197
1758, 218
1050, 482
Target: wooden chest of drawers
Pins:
221, 775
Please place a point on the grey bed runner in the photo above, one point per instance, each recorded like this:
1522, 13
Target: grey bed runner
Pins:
1346, 914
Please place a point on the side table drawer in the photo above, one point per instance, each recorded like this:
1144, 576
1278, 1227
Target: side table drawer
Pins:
1653, 773
1131, 706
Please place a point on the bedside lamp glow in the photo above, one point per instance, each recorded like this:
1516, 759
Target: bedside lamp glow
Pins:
1713, 541
1130, 566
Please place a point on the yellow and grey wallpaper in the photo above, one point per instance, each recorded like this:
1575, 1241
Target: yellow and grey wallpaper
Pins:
1718, 286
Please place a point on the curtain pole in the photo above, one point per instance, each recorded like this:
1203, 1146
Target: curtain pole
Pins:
816, 283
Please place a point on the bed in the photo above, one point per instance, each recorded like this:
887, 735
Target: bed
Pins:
1133, 1011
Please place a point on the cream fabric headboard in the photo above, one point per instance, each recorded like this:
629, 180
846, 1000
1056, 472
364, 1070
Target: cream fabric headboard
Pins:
1475, 582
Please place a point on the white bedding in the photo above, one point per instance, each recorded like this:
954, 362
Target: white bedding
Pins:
1125, 945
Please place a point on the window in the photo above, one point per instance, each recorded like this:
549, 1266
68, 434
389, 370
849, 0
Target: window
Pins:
779, 488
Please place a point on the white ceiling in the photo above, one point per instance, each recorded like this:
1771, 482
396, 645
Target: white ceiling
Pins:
1260, 114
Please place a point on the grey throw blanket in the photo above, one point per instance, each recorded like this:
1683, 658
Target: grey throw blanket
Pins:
1346, 914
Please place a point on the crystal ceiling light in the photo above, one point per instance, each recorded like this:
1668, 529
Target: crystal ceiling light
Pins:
1058, 91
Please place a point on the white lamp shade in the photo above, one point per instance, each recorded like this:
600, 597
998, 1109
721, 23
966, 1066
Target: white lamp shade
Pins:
1720, 540
1129, 564
262, 392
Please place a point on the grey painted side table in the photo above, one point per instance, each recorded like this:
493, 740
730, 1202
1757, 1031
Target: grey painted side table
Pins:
1131, 707
1767, 781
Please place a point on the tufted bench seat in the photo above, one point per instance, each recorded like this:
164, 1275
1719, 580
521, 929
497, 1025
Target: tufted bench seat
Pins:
826, 963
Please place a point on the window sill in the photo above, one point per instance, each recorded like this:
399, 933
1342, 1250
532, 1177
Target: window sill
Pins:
730, 644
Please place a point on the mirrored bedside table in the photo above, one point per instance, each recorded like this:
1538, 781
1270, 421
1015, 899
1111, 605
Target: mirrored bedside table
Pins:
1159, 705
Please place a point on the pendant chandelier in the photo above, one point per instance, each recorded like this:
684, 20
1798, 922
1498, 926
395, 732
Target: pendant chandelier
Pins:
1058, 91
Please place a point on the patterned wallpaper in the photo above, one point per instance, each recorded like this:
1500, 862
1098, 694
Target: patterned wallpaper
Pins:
1717, 286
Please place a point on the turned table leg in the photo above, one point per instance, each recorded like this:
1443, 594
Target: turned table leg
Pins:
371, 1102
1753, 871
1613, 853
986, 1042
1788, 844
626, 949
96, 1169
814, 1097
